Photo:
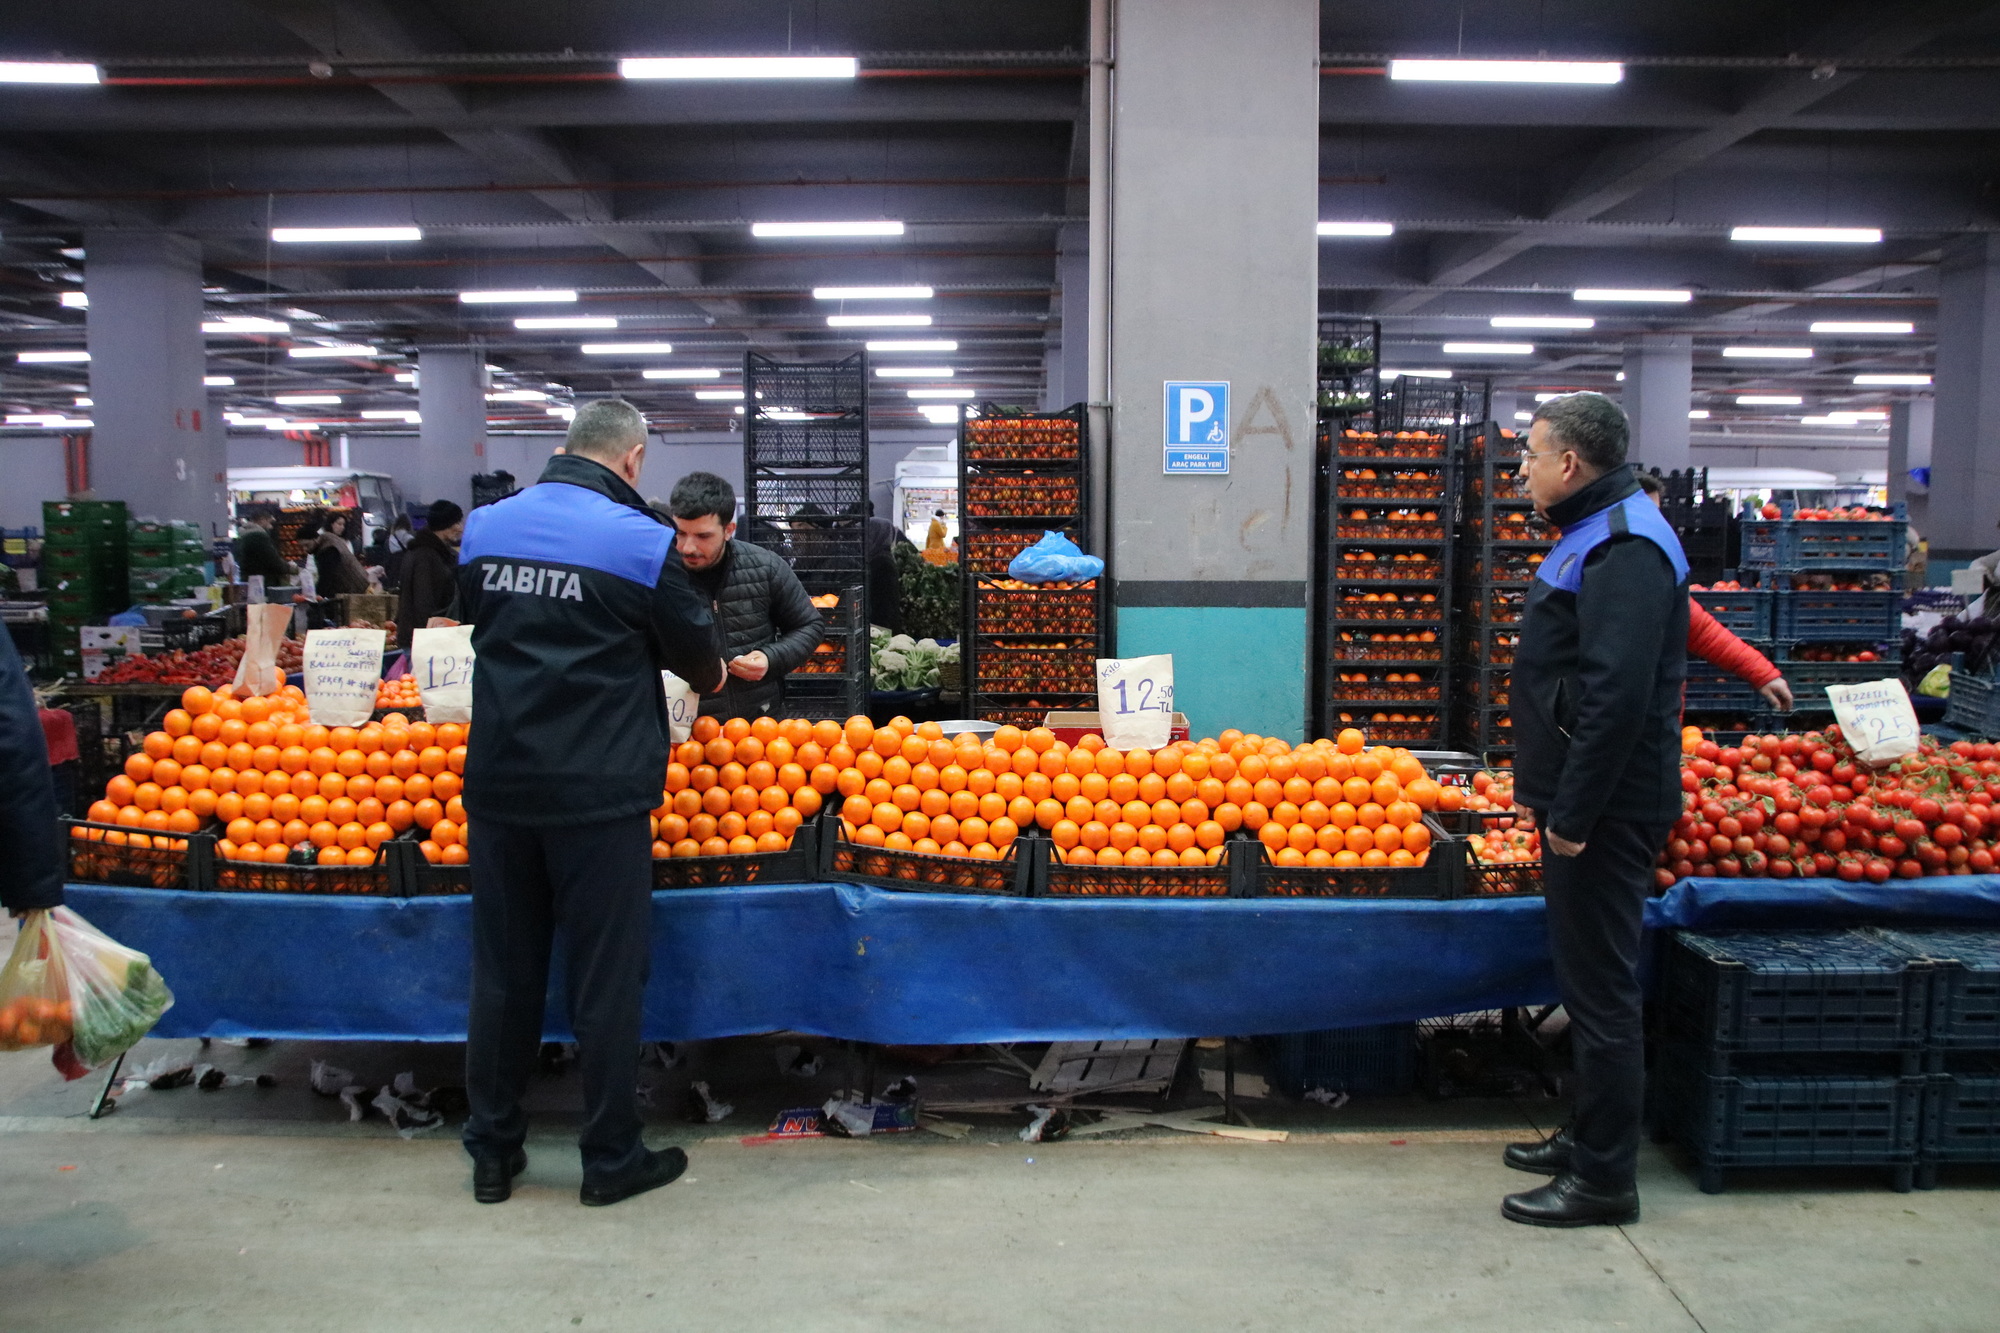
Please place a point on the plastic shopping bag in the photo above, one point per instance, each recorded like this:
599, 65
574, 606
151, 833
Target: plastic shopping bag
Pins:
264, 631
442, 661
70, 986
1054, 559
342, 669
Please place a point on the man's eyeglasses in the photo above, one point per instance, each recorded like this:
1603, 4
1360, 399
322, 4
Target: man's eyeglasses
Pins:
1529, 456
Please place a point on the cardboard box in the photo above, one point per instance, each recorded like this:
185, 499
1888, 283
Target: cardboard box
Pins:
1072, 727
372, 609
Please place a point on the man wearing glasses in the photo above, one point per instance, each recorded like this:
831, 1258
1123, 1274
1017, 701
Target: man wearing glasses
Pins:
1597, 692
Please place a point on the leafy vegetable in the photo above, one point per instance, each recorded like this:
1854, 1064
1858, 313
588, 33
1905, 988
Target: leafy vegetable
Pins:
903, 663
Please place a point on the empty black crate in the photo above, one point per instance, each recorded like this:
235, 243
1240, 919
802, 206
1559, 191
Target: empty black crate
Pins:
1379, 1059
1965, 985
1961, 1120
1822, 990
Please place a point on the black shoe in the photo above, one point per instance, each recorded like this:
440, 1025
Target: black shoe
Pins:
493, 1177
659, 1168
1550, 1157
1571, 1201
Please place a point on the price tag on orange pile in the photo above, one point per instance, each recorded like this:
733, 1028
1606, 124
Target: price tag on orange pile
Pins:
442, 661
342, 669
683, 704
1135, 701
1877, 719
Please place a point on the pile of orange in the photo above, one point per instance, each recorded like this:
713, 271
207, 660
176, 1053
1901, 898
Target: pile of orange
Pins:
402, 692
741, 786
276, 782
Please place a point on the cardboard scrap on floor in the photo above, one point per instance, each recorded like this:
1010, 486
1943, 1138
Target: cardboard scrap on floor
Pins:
1187, 1122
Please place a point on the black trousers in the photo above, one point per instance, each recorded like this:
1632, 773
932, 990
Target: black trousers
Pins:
595, 881
1596, 903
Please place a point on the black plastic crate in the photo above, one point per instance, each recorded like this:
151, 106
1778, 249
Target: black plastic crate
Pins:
1014, 875
1436, 878
1822, 990
1359, 1061
1974, 704
1744, 612
1711, 688
797, 864
1225, 879
389, 877
139, 858
1965, 985
1961, 1117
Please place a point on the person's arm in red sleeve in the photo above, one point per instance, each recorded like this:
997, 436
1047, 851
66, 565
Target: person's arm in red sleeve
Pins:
1708, 640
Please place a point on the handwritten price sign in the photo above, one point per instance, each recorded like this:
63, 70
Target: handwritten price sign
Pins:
442, 660
683, 704
1877, 719
1135, 700
342, 669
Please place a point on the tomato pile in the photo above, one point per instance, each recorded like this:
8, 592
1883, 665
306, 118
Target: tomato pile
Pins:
1800, 805
1855, 514
213, 665
1025, 496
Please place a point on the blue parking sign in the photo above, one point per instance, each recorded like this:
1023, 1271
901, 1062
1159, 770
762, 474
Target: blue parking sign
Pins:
1197, 427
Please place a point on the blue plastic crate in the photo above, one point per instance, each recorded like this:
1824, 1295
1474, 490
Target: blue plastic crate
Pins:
1793, 991
1364, 1060
1744, 612
1809, 615
1961, 1116
1810, 679
1965, 988
1974, 704
1711, 689
1845, 544
1763, 544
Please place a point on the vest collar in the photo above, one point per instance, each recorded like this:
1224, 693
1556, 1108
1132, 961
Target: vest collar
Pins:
576, 470
1602, 493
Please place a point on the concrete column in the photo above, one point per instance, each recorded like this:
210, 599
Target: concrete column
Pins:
1965, 448
1214, 273
154, 443
1923, 413
1069, 358
1899, 450
1502, 405
1659, 389
451, 396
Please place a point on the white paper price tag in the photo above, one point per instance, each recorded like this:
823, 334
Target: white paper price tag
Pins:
1135, 701
683, 705
342, 669
1876, 718
442, 662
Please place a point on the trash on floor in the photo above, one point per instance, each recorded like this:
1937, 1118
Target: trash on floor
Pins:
704, 1107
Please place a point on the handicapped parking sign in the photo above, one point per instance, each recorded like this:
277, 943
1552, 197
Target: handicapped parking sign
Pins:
1197, 427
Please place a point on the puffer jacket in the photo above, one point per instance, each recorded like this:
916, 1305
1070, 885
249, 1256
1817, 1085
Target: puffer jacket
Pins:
761, 607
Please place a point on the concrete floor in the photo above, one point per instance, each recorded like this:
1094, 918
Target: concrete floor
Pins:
192, 1210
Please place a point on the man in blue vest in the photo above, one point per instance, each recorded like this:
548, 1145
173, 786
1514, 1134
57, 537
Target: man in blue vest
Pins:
577, 601
1597, 694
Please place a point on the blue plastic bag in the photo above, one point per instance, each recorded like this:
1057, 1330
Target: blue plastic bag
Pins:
1055, 559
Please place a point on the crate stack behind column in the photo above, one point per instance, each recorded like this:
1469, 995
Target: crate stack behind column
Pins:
1348, 377
805, 496
1027, 649
85, 568
1501, 543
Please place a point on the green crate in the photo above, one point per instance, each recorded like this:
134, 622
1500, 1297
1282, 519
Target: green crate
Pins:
56, 512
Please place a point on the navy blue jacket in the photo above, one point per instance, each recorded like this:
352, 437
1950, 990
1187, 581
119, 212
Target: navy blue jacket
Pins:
31, 844
577, 600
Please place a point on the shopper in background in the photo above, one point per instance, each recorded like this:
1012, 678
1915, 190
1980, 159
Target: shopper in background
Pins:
1709, 640
336, 571
1597, 683
577, 602
32, 861
430, 570
257, 550
769, 624
885, 587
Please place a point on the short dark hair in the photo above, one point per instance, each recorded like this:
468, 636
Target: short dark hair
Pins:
1651, 484
701, 493
441, 515
1591, 425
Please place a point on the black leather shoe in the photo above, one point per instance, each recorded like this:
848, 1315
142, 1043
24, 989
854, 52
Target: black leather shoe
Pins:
1550, 1157
660, 1168
493, 1177
1571, 1201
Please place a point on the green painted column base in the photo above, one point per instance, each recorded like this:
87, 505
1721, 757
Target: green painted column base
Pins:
1234, 666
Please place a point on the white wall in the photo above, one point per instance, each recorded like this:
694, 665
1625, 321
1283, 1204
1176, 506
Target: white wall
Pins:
31, 471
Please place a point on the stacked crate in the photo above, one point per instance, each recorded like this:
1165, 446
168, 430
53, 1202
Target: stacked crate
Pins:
1961, 1116
1836, 593
805, 496
1349, 372
1501, 542
168, 559
85, 570
1027, 649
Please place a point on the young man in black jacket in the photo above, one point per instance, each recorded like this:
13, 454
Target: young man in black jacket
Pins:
429, 583
32, 856
577, 602
1597, 691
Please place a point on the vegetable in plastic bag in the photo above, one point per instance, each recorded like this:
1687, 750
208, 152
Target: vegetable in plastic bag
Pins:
70, 986
1055, 559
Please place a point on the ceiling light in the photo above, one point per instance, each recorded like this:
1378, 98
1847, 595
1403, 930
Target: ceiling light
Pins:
1828, 420
627, 349
1809, 235
1656, 296
337, 349
46, 71
309, 235
1768, 400
566, 322
783, 414
1524, 416
1862, 326
1917, 380
878, 321
1356, 229
872, 293
780, 230
1698, 414
305, 399
277, 423
407, 377
914, 372
244, 324
563, 410
83, 402
218, 381
1416, 374
939, 414
397, 415
1768, 353
516, 396
739, 67
1546, 397
33, 418
912, 345
76, 300
683, 373
1489, 349
545, 296
719, 395
1858, 416
1507, 71
941, 393
62, 354
1543, 322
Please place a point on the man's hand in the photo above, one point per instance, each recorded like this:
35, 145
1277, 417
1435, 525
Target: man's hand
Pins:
1524, 818
1779, 693
1562, 846
750, 666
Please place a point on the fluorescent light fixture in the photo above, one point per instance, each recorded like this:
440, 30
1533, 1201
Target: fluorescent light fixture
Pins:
563, 410
76, 300
83, 402
1859, 416
1809, 235
1828, 420
1862, 326
835, 230
566, 322
1507, 71
1524, 416
1914, 380
1768, 353
941, 393
47, 71
719, 395
244, 324
61, 354
542, 296
912, 345
1768, 400
784, 414
337, 349
1416, 374
314, 235
1620, 377
407, 377
878, 321
914, 372
218, 381
627, 349
683, 373
1356, 229
1489, 349
413, 418
276, 424
1544, 322
872, 293
1633, 295
1546, 397
739, 67
1698, 414
517, 396
305, 399
939, 414
34, 418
